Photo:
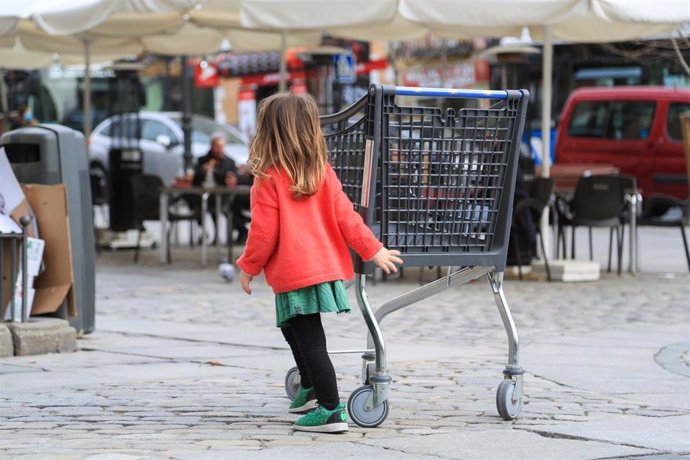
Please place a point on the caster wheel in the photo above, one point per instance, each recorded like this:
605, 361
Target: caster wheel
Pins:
360, 415
292, 383
507, 404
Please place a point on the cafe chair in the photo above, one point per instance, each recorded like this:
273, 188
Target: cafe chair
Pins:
667, 211
146, 201
599, 201
540, 196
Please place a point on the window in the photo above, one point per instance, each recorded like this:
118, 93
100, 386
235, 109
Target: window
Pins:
107, 130
589, 119
630, 120
122, 129
673, 128
203, 129
612, 120
151, 129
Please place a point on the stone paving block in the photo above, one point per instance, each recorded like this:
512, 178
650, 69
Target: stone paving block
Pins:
43, 335
6, 342
486, 444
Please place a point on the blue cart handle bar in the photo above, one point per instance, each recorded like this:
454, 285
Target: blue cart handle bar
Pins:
449, 92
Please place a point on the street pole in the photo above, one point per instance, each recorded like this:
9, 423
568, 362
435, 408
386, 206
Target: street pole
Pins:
186, 113
546, 78
86, 100
282, 86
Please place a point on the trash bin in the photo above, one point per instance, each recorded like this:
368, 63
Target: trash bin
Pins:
52, 154
125, 162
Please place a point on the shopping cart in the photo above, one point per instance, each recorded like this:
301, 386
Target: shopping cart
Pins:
438, 186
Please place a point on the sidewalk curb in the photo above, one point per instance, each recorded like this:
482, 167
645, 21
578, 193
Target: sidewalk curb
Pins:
6, 342
42, 335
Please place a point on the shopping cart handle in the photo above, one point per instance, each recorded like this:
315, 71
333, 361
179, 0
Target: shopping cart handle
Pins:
450, 92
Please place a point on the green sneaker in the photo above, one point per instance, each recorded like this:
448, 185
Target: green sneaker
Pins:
322, 420
304, 401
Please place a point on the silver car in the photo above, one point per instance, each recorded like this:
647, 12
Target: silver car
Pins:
162, 142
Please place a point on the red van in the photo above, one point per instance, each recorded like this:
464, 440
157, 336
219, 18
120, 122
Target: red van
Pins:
635, 128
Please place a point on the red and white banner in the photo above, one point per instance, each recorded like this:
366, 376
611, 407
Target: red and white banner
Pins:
206, 75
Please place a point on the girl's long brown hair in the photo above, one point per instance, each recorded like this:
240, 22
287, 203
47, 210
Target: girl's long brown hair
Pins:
289, 137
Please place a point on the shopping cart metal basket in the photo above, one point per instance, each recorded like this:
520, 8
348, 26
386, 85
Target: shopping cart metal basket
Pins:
438, 186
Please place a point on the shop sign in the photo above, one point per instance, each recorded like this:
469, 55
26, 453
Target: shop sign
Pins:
206, 75
461, 75
345, 68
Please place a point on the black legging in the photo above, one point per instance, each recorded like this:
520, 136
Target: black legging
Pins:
307, 341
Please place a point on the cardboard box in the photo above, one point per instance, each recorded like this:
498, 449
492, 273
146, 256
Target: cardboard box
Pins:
46, 205
49, 204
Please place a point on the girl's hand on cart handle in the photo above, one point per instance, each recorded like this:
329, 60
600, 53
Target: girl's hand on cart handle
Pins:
386, 259
245, 279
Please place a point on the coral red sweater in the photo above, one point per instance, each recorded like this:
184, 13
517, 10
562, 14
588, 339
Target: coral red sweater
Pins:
302, 242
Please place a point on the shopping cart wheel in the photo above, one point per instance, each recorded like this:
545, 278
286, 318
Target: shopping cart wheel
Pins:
292, 382
361, 416
508, 405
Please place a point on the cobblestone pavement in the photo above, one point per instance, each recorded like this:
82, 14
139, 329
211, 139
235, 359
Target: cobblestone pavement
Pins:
183, 365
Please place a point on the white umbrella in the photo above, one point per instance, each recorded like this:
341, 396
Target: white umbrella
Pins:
108, 17
170, 27
571, 20
357, 19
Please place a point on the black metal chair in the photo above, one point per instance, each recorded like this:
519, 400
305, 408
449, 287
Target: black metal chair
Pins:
667, 211
540, 196
146, 202
599, 201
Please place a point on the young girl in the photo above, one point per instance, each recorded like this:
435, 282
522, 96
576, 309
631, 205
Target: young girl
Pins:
302, 224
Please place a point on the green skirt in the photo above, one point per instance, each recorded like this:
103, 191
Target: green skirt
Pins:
319, 298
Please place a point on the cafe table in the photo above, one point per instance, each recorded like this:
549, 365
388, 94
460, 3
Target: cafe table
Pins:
181, 188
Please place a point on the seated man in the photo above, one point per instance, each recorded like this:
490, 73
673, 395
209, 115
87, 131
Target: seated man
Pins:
220, 170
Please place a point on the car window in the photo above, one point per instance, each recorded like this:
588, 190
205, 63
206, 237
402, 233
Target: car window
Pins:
151, 129
123, 129
106, 131
628, 120
589, 119
673, 127
200, 137
203, 129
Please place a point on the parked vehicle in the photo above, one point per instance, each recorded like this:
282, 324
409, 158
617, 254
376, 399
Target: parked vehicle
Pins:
635, 128
161, 139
